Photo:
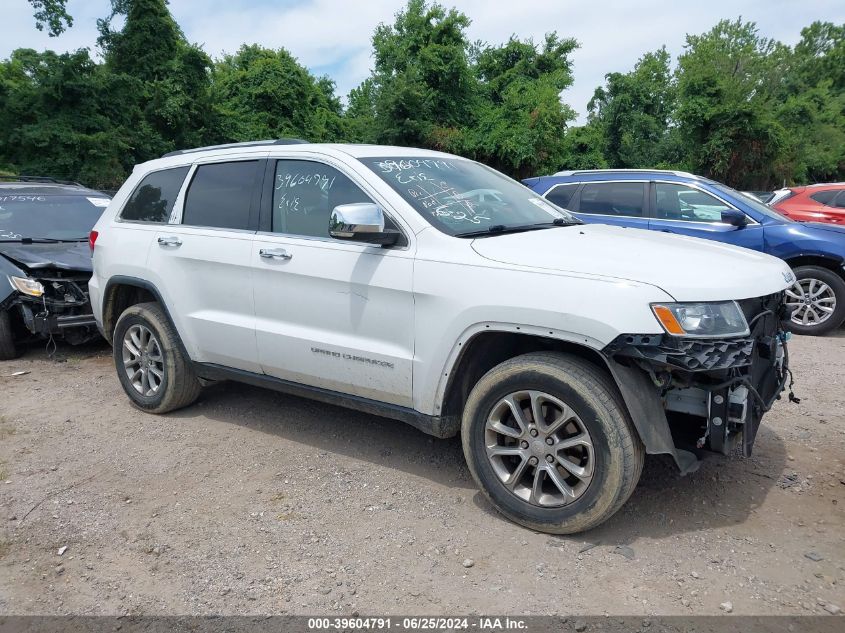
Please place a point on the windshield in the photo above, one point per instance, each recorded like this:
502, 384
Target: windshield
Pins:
753, 202
49, 217
461, 197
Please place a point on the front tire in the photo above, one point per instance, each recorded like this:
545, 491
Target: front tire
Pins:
153, 370
550, 443
8, 349
818, 300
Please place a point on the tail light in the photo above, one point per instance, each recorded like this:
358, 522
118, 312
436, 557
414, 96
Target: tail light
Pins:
92, 239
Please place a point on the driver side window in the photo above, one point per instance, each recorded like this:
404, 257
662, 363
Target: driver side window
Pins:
305, 193
680, 202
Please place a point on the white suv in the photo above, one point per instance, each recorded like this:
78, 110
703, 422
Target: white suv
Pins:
431, 289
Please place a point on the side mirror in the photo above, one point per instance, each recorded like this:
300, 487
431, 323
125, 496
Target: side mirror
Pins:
734, 218
361, 222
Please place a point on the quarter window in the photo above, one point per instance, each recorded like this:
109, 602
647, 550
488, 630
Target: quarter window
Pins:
304, 194
220, 195
562, 195
839, 203
613, 198
825, 197
680, 202
154, 197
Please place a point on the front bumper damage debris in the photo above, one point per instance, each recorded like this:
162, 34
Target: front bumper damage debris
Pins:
63, 311
713, 392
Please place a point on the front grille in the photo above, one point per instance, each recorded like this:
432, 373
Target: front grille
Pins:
687, 354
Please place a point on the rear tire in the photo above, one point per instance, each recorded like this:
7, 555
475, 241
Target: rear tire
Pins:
153, 369
8, 349
604, 459
831, 294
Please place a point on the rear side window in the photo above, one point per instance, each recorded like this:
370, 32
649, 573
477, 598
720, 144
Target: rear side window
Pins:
839, 203
613, 198
825, 197
561, 195
154, 197
220, 195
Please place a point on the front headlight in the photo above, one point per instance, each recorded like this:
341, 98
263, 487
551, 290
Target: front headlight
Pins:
27, 286
701, 320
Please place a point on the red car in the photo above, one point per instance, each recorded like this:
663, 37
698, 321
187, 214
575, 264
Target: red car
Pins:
813, 203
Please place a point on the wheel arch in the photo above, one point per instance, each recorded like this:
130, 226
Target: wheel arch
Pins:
822, 261
123, 292
487, 345
485, 349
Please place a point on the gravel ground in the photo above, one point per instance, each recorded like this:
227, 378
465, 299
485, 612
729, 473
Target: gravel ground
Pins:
254, 502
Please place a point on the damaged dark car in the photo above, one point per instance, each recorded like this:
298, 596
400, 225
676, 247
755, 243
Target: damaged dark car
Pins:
45, 262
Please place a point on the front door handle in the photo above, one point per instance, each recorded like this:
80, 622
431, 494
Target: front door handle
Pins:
274, 253
169, 240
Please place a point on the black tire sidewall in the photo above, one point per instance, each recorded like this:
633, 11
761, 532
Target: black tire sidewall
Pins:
8, 349
506, 501
139, 318
837, 284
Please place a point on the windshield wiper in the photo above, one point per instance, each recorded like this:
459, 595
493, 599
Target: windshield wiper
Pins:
41, 240
501, 229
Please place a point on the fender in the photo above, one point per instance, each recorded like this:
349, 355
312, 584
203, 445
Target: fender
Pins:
122, 280
638, 393
468, 334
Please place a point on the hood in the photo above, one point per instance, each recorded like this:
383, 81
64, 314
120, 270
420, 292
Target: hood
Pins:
63, 256
687, 268
832, 228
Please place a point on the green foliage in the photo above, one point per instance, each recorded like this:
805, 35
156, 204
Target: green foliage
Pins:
260, 93
737, 106
53, 15
58, 117
423, 91
633, 112
522, 122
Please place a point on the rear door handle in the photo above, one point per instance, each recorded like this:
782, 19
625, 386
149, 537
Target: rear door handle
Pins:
274, 253
169, 240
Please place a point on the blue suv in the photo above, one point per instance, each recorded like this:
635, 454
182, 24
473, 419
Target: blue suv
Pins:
682, 203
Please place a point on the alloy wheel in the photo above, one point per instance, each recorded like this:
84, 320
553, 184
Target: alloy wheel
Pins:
539, 448
143, 360
812, 300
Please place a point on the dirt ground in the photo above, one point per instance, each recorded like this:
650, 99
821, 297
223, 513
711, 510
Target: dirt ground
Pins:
255, 502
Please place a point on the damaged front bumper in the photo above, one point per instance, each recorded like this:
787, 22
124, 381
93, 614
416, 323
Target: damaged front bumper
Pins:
62, 311
687, 395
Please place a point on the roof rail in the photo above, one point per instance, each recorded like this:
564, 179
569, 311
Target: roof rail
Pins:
571, 172
278, 141
41, 179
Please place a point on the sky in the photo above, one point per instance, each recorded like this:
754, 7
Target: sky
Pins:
333, 37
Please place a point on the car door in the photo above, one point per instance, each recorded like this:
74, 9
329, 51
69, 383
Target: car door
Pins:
331, 314
202, 261
620, 203
686, 209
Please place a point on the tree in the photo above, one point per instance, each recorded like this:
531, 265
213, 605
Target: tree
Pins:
726, 112
812, 106
53, 15
262, 93
174, 75
422, 89
59, 117
521, 119
633, 111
